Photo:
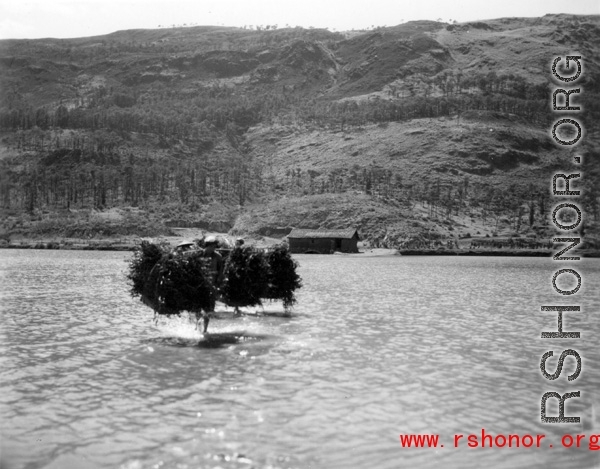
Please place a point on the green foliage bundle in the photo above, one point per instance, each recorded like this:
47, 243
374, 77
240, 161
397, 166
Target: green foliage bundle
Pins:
283, 278
246, 277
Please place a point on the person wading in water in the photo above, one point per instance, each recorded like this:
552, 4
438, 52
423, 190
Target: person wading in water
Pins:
216, 270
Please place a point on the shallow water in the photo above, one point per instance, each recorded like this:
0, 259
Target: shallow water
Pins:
375, 348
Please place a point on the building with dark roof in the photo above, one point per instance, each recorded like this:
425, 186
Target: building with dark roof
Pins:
323, 241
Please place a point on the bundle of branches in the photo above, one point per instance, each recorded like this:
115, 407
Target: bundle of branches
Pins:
246, 277
283, 279
183, 282
171, 282
142, 263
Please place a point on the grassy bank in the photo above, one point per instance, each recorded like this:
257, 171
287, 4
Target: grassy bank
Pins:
492, 252
130, 244
70, 244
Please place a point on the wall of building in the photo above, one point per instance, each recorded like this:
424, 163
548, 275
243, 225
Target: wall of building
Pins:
322, 245
350, 245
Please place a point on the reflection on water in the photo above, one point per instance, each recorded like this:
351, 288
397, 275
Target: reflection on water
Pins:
212, 340
376, 347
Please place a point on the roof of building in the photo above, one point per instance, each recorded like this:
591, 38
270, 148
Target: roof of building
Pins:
348, 233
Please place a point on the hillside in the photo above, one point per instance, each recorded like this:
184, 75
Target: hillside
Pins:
415, 132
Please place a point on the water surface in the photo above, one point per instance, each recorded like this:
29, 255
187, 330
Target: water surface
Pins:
375, 348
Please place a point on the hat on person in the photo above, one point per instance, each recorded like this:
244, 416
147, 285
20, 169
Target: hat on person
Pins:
185, 246
210, 240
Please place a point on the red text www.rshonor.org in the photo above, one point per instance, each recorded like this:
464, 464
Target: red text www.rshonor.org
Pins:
488, 440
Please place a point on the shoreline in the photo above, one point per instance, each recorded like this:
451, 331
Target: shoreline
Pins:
55, 246
497, 253
131, 245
